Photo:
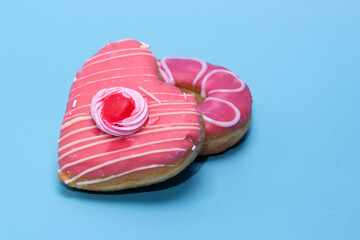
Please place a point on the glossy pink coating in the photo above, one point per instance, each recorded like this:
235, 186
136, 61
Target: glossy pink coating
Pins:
172, 128
227, 99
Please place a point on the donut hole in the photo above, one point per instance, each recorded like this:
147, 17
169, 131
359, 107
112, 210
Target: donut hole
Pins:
187, 89
196, 94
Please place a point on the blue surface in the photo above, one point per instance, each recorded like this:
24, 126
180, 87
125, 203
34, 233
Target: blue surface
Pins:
295, 176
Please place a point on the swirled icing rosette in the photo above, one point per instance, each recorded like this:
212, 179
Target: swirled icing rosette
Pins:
119, 111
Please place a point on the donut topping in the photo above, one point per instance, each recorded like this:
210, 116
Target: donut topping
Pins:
117, 107
119, 111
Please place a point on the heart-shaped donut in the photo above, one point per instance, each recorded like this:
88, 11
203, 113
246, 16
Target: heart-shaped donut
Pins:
124, 128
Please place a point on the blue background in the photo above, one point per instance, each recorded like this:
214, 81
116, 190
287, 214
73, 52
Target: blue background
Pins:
296, 175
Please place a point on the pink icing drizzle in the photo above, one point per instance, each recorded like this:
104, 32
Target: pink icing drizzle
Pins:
127, 126
227, 99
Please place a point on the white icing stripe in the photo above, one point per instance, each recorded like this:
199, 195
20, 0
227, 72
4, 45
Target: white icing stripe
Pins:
114, 51
165, 129
83, 140
123, 159
111, 78
201, 72
74, 116
149, 94
71, 99
75, 109
71, 122
173, 101
172, 109
115, 138
176, 103
163, 74
110, 70
170, 94
203, 88
173, 124
228, 123
174, 113
168, 77
77, 131
117, 151
122, 56
236, 90
144, 46
121, 174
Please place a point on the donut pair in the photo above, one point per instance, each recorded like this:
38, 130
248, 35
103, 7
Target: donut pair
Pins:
123, 128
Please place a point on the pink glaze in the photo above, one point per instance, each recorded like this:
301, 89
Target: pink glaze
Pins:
227, 99
131, 123
171, 129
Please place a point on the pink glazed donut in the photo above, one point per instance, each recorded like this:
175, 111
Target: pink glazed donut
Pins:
224, 99
123, 128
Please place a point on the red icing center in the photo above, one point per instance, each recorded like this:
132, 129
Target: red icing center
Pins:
117, 107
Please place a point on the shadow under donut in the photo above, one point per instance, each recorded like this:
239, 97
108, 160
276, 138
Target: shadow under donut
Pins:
175, 187
235, 148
